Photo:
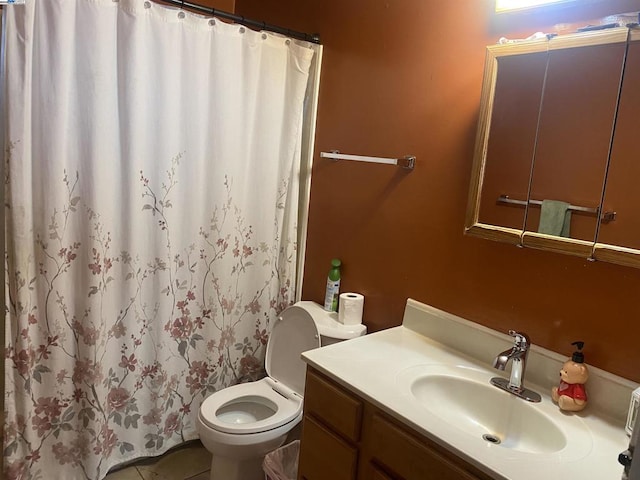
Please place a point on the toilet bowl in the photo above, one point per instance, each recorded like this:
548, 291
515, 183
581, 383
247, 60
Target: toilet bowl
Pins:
240, 424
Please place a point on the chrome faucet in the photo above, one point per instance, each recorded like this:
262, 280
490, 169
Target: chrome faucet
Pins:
518, 356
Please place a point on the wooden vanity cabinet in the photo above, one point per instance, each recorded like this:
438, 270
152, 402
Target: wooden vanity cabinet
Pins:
330, 431
344, 437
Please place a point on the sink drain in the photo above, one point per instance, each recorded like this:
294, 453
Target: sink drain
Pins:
491, 438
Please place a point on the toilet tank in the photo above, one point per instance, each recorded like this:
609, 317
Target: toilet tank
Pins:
330, 329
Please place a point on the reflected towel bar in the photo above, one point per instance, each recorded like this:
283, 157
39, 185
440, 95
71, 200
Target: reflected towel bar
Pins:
606, 217
408, 162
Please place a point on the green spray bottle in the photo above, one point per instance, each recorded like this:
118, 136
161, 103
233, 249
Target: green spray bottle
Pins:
333, 287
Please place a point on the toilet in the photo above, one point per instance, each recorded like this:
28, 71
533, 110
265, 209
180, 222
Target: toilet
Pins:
240, 424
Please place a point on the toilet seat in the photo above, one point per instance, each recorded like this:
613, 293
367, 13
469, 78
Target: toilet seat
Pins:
284, 409
280, 392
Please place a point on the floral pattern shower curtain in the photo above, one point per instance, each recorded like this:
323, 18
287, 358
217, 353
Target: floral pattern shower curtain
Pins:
151, 163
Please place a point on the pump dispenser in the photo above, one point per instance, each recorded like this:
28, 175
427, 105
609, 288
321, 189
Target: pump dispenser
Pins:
578, 356
571, 394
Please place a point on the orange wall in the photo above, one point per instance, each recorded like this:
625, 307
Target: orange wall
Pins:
404, 77
226, 5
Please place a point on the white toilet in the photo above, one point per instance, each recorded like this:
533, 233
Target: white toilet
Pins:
241, 424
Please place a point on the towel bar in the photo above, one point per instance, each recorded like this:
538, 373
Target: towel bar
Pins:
408, 162
606, 217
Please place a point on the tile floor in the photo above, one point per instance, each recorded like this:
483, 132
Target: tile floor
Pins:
188, 462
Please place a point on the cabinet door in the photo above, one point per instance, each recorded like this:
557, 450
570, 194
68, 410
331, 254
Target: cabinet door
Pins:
411, 458
512, 136
619, 241
576, 122
333, 406
324, 455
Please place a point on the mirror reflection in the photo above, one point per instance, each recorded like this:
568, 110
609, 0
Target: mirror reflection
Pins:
576, 121
619, 241
512, 138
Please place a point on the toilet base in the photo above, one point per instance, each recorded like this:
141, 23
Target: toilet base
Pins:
225, 468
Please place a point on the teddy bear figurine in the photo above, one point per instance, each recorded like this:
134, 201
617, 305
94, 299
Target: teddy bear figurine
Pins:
571, 395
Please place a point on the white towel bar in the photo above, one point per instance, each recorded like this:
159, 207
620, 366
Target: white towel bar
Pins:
407, 162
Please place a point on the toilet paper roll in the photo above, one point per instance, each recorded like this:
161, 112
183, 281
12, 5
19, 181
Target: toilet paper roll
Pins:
351, 308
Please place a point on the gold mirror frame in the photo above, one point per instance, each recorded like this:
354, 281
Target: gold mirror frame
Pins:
473, 227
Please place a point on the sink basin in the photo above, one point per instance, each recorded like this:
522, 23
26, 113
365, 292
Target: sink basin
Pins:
464, 399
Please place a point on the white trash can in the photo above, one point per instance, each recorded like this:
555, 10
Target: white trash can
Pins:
282, 463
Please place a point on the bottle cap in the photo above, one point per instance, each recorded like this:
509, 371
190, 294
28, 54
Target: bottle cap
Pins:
578, 356
336, 262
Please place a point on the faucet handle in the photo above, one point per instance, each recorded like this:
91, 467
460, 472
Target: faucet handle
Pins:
521, 339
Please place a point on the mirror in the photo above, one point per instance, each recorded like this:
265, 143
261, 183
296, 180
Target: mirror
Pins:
506, 140
545, 142
619, 241
512, 141
577, 117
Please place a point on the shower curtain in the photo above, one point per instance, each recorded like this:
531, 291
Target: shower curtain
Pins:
151, 187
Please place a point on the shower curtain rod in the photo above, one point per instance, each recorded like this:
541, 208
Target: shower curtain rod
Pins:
308, 37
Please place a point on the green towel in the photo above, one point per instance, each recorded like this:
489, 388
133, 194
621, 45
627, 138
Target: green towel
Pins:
555, 218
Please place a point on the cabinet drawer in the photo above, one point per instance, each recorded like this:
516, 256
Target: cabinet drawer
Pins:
333, 406
413, 459
325, 456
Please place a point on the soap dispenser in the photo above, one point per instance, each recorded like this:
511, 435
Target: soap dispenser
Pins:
571, 394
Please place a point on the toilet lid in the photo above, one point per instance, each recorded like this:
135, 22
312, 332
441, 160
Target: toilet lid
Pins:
294, 332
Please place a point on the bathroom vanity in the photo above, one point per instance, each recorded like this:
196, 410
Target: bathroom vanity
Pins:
415, 402
348, 438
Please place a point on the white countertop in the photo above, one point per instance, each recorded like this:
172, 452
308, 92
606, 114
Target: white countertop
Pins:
372, 367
